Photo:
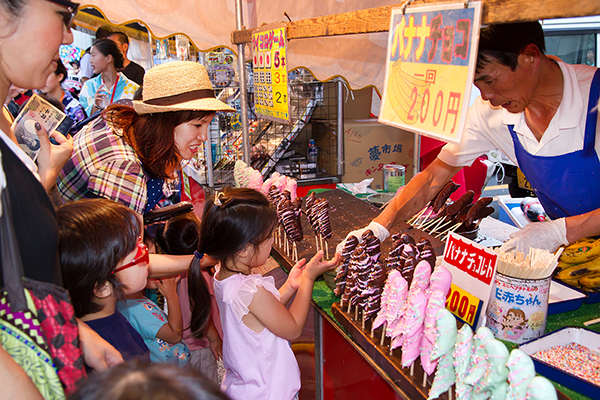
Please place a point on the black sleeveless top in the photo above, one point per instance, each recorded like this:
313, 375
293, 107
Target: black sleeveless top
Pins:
34, 220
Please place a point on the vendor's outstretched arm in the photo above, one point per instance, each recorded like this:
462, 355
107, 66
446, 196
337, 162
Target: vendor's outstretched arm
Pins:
413, 197
584, 225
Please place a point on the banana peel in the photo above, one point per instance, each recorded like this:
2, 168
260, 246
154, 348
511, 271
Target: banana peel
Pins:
591, 281
579, 270
582, 251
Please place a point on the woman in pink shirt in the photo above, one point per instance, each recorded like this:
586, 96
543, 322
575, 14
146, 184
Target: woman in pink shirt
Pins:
236, 231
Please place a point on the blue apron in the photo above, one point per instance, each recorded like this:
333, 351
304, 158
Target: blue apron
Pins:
568, 184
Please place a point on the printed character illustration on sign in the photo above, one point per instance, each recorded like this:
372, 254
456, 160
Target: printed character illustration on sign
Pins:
514, 324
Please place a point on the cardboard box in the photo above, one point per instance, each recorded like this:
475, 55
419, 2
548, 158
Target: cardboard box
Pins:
369, 145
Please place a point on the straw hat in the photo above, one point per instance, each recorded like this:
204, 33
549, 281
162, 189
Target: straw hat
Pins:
178, 86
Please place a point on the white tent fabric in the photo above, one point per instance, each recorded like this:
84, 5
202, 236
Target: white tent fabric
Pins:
209, 23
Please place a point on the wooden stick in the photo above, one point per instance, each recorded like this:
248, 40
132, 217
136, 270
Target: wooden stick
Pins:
412, 369
356, 313
425, 218
427, 224
383, 334
443, 223
320, 242
317, 241
424, 379
451, 229
416, 216
450, 393
363, 320
326, 250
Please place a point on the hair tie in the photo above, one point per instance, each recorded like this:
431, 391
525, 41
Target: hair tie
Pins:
198, 255
218, 198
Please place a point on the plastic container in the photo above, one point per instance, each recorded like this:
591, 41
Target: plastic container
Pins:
105, 96
518, 308
564, 336
533, 209
313, 151
393, 177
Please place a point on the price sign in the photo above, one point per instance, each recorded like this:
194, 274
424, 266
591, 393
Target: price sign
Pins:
473, 268
430, 64
270, 73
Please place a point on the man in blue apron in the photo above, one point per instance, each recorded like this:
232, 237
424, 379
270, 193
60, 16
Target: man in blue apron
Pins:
540, 112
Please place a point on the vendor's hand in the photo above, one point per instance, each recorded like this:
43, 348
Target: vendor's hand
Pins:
52, 157
378, 230
547, 235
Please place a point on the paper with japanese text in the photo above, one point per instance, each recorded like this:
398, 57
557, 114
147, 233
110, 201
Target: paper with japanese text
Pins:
473, 268
430, 64
269, 64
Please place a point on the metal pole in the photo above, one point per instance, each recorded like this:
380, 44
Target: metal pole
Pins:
209, 164
340, 125
243, 91
417, 154
150, 44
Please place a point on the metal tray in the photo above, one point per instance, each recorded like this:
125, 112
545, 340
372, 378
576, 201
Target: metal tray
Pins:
585, 337
564, 298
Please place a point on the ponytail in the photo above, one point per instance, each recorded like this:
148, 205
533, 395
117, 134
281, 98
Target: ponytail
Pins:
199, 298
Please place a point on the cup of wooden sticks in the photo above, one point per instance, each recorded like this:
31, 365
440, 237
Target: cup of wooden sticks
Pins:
518, 304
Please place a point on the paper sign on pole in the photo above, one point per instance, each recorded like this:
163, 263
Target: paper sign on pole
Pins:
473, 268
430, 64
269, 65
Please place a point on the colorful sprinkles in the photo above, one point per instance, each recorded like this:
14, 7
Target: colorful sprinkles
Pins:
573, 358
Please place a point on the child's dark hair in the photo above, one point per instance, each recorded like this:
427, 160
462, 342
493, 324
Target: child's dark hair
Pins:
133, 380
94, 235
179, 235
237, 218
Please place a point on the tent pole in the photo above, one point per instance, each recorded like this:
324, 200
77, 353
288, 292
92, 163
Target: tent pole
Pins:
150, 45
340, 129
243, 92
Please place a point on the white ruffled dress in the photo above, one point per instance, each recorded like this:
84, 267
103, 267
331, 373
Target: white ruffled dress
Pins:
258, 365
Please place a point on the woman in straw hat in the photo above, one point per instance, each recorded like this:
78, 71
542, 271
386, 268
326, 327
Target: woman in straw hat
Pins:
126, 155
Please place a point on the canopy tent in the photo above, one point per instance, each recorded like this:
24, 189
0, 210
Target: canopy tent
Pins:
359, 58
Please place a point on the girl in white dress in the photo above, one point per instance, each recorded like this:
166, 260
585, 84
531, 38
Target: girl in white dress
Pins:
236, 231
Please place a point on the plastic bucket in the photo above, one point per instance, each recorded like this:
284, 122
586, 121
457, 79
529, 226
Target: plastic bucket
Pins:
518, 308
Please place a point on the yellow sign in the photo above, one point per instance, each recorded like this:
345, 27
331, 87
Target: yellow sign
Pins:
430, 65
269, 64
463, 304
522, 180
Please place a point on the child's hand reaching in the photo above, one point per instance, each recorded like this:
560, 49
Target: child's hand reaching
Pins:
295, 275
316, 266
168, 286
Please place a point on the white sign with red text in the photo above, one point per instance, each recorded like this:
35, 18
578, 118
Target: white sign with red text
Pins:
473, 268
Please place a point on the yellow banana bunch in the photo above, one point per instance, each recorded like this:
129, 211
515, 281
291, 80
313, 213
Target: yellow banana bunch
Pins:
590, 281
582, 251
585, 276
